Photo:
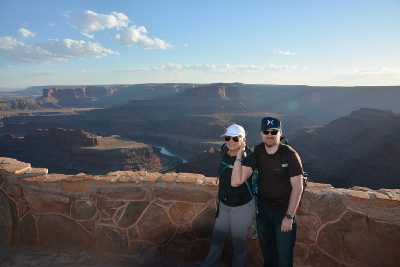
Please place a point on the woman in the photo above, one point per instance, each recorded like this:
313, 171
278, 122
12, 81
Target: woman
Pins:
236, 206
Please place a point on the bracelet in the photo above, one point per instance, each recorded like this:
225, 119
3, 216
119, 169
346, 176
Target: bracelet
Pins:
239, 160
288, 216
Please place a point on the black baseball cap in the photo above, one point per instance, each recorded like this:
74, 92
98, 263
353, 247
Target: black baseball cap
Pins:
270, 123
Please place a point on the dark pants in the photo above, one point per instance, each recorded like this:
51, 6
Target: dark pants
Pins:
276, 246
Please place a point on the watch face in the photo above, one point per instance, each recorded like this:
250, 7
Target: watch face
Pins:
288, 216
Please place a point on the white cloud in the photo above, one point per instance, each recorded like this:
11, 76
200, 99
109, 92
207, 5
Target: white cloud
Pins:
92, 21
250, 68
287, 53
137, 36
51, 50
26, 33
51, 24
170, 67
376, 74
277, 67
8, 66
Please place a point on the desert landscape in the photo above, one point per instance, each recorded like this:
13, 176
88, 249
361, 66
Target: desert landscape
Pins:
338, 131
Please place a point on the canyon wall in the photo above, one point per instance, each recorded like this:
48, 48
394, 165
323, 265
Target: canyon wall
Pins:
361, 149
153, 215
80, 151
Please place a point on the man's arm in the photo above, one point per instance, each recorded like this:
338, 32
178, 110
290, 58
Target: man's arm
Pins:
295, 195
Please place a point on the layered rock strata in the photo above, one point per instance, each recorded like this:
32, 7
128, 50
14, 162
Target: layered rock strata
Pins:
153, 215
81, 151
361, 149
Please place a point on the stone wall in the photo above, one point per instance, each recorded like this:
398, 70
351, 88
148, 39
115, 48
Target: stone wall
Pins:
154, 215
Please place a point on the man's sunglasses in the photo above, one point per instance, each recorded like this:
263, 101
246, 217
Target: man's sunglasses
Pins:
234, 138
274, 132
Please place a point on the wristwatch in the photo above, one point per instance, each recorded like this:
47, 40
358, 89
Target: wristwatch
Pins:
288, 216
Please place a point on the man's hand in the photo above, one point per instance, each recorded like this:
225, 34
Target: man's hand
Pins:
286, 225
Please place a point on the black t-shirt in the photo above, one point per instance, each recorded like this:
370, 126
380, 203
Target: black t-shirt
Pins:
227, 194
273, 183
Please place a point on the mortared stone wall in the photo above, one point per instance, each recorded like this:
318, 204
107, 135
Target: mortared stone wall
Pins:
154, 215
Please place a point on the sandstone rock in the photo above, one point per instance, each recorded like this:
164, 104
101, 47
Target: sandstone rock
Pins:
323, 260
161, 234
132, 213
330, 206
308, 224
182, 194
132, 233
111, 239
83, 210
27, 233
363, 239
117, 193
203, 224
5, 220
181, 212
44, 202
60, 232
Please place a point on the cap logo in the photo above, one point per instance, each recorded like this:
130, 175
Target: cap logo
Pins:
270, 122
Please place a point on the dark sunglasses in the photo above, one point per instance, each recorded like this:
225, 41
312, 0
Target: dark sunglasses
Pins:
274, 132
234, 138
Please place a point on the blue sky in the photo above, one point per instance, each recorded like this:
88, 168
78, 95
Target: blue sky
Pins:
311, 42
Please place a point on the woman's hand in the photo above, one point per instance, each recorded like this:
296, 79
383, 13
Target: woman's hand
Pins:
241, 150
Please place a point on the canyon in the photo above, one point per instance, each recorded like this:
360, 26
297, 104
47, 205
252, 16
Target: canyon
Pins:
80, 151
117, 204
191, 117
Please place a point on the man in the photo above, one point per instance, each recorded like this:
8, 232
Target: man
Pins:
279, 196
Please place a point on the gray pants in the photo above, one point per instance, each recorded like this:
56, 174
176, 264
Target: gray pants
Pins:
234, 220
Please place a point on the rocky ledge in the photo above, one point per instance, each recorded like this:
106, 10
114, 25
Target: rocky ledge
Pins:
171, 216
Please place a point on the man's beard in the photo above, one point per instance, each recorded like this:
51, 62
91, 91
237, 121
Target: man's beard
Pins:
272, 143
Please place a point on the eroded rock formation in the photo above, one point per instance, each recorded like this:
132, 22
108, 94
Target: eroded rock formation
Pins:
81, 151
361, 149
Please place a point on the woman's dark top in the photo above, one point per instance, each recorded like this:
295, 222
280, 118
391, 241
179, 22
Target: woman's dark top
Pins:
227, 194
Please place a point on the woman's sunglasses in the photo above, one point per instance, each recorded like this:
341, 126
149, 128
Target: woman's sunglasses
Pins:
234, 138
274, 132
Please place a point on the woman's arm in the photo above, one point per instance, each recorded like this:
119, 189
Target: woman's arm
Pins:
240, 173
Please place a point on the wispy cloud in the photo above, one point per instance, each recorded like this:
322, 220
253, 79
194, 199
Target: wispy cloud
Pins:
26, 33
375, 73
170, 67
51, 24
92, 21
8, 66
287, 53
51, 50
272, 66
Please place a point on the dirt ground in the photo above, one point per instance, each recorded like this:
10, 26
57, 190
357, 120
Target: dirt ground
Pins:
38, 256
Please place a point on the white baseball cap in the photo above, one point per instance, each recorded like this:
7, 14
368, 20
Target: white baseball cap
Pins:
235, 130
